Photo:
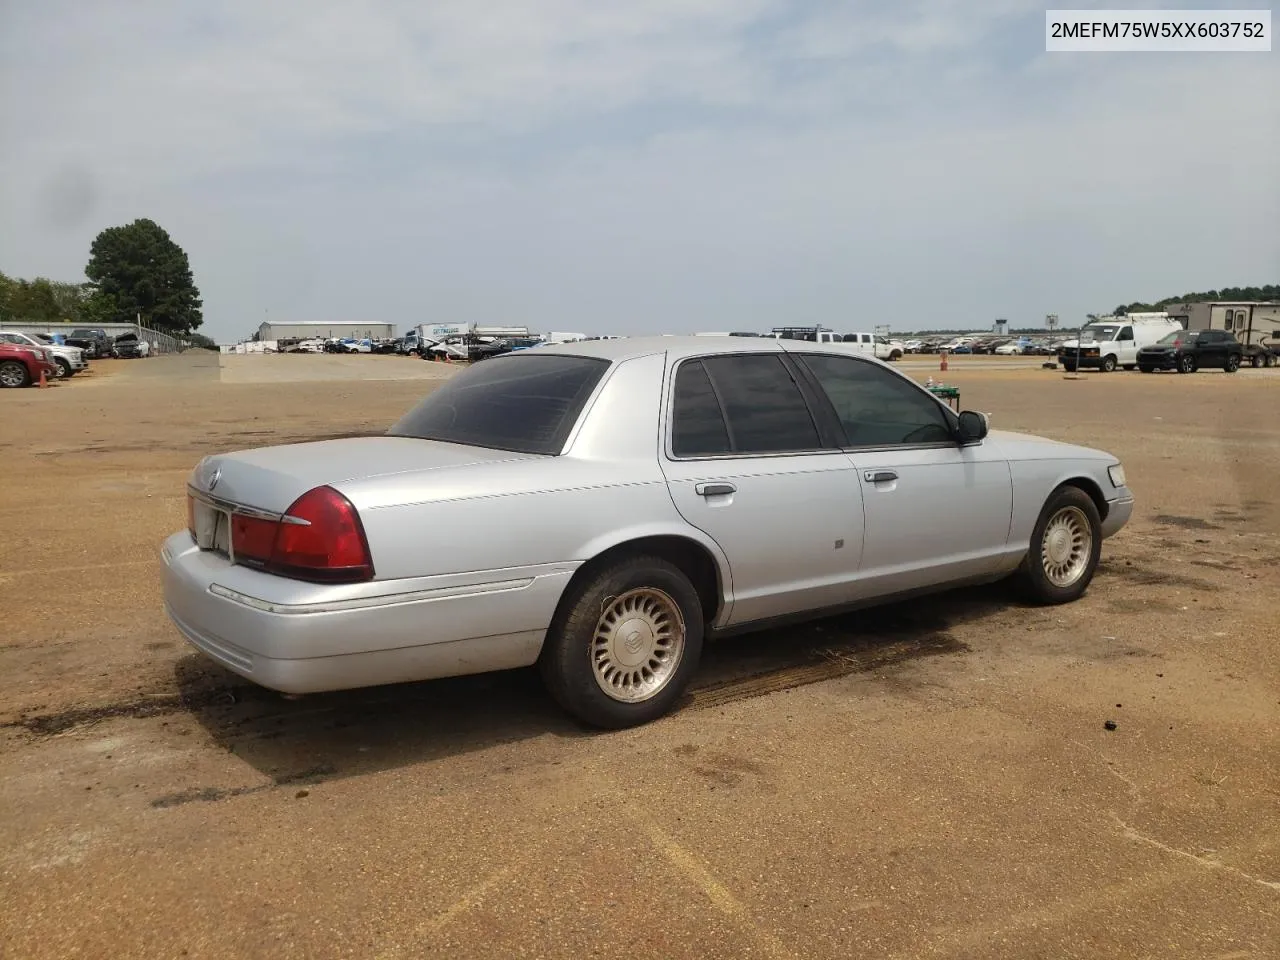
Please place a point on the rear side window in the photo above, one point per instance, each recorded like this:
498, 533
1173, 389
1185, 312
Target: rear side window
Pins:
527, 403
761, 406
698, 428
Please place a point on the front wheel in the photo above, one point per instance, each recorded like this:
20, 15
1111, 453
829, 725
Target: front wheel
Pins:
1146, 369
14, 374
1187, 364
1258, 360
1069, 367
624, 644
1108, 364
1232, 363
64, 366
1066, 545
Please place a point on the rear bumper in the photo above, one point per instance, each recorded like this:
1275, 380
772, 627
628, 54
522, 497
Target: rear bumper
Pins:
306, 638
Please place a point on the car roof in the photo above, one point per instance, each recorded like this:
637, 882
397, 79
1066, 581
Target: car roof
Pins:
678, 347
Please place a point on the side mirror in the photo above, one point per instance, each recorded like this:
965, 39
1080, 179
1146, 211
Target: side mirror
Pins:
973, 426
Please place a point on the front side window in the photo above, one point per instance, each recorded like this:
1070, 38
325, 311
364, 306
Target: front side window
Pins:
524, 403
877, 407
1126, 334
762, 408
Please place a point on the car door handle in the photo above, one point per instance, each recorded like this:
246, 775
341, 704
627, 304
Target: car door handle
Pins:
714, 489
879, 476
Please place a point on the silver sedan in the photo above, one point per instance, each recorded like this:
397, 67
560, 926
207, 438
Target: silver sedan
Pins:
598, 508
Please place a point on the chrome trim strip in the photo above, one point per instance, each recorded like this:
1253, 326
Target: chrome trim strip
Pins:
364, 603
231, 507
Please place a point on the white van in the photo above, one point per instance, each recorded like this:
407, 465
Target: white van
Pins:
1114, 342
864, 343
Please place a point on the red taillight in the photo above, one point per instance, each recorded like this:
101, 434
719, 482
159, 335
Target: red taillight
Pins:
252, 539
321, 538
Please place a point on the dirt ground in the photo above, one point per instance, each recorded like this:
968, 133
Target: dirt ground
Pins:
930, 780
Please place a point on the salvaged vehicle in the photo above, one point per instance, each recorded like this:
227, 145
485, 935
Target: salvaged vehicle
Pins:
1190, 350
68, 360
598, 508
94, 341
21, 365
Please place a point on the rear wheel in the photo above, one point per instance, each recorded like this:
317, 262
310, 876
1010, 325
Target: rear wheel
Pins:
624, 644
1232, 363
14, 374
1108, 364
1187, 364
1066, 545
1258, 360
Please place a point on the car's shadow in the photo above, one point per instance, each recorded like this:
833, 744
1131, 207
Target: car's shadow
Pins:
323, 736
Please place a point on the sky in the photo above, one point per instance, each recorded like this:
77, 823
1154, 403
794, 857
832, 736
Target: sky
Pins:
659, 166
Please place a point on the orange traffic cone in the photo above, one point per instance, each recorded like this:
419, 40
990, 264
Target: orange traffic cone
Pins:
943, 365
44, 382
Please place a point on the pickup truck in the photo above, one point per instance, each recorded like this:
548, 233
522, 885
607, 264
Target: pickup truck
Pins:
69, 360
92, 340
20, 366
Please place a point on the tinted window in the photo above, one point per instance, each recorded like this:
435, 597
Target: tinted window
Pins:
1126, 334
877, 407
764, 407
697, 421
527, 403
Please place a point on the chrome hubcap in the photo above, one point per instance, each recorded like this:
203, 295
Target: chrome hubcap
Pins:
11, 374
637, 646
1067, 546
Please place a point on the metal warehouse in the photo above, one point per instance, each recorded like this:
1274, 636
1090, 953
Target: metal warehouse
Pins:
305, 329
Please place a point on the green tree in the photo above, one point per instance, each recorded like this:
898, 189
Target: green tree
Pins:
7, 287
34, 301
138, 269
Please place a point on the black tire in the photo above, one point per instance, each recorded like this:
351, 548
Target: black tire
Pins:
65, 366
14, 374
1258, 360
1187, 364
566, 661
1146, 369
1069, 367
1036, 584
1130, 366
1232, 363
1108, 364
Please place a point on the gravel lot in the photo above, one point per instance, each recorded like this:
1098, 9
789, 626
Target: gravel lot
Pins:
931, 780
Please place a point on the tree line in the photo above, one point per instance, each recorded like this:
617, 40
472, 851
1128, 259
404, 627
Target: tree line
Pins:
1268, 292
136, 273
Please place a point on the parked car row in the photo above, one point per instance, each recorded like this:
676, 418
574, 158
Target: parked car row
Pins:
22, 365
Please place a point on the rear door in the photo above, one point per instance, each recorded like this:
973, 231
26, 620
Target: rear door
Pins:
934, 511
1211, 348
747, 463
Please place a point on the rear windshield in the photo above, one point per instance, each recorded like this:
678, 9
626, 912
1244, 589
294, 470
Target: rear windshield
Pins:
526, 403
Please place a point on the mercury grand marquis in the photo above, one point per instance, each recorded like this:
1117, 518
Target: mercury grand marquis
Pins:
598, 508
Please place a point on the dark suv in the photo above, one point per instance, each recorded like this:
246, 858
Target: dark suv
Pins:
1190, 350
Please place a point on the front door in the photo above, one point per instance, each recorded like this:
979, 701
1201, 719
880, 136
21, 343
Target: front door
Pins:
745, 464
933, 511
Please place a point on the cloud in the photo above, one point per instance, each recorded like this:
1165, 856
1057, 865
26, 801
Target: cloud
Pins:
666, 165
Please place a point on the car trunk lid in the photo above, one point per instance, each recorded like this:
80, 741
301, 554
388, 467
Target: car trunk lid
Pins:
269, 479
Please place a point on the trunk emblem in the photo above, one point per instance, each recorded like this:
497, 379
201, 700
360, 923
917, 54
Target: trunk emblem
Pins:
211, 477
